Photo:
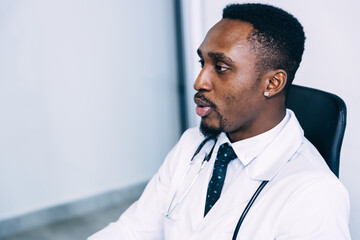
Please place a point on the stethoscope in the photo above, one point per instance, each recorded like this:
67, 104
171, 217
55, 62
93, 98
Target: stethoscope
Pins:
206, 159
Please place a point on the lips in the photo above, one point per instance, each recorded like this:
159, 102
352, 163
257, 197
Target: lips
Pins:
202, 108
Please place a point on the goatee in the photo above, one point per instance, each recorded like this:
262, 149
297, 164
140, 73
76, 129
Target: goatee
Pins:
209, 131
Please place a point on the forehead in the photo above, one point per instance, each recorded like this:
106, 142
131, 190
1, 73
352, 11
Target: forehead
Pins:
227, 35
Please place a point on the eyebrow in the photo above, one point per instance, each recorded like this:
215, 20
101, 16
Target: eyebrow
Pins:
218, 56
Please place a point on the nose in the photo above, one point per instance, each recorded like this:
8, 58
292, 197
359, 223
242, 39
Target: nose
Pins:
203, 82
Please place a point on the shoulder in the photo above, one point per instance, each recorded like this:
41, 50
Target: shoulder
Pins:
192, 135
307, 176
188, 142
308, 161
183, 150
313, 199
318, 209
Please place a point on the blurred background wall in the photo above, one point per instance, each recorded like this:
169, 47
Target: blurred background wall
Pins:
331, 62
88, 98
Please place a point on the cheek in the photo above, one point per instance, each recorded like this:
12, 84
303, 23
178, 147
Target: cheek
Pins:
237, 106
237, 102
231, 99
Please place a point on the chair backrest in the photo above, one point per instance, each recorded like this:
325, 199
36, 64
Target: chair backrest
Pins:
322, 115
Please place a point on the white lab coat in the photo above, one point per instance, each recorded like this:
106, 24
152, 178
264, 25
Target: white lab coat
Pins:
303, 199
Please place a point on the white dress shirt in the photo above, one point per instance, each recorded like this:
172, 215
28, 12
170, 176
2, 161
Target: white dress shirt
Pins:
303, 199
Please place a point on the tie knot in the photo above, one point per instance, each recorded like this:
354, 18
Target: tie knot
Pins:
225, 154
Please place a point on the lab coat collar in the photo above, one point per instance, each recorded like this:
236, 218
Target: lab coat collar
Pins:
270, 161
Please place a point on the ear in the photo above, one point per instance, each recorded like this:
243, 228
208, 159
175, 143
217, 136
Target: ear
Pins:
275, 82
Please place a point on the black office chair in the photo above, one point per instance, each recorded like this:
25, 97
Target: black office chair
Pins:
322, 115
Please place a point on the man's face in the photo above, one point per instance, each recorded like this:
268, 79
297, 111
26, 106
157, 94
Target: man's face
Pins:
230, 97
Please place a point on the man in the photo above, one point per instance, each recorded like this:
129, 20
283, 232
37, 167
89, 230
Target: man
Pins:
248, 60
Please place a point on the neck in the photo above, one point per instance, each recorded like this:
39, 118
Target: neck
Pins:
263, 124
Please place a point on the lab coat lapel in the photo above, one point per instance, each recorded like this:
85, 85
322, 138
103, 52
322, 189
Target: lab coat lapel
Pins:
229, 201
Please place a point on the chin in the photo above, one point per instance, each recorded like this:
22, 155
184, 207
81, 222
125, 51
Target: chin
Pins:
209, 131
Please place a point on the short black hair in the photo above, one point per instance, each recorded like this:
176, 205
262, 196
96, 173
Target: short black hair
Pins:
278, 37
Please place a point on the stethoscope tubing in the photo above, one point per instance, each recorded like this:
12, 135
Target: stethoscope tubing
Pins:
187, 190
247, 208
203, 163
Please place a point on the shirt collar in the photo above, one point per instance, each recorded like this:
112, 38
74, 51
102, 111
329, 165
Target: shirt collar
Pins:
265, 161
248, 149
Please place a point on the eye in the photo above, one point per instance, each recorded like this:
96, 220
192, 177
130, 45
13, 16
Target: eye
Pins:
201, 61
220, 69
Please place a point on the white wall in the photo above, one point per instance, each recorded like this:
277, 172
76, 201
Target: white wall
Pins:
331, 62
88, 98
